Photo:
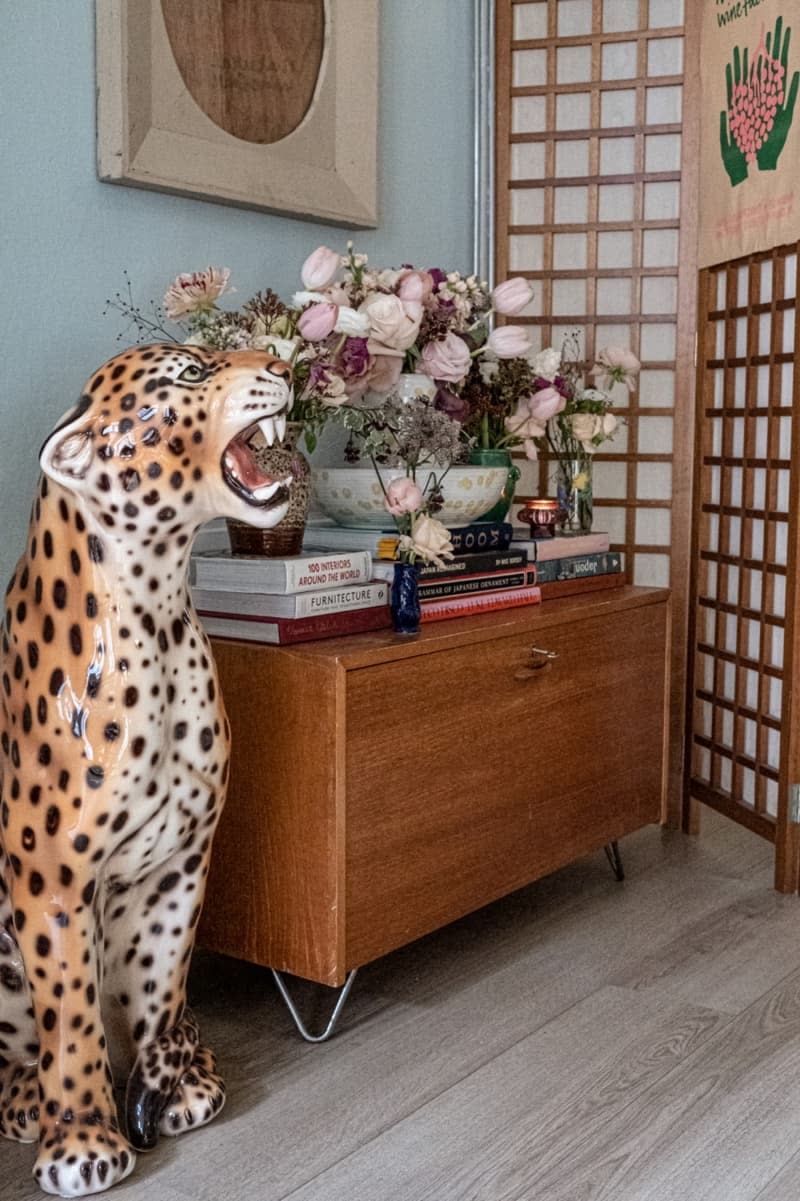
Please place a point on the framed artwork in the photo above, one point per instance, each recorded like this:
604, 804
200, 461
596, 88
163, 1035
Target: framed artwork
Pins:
267, 104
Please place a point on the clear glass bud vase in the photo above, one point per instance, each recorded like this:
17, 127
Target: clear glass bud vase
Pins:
574, 491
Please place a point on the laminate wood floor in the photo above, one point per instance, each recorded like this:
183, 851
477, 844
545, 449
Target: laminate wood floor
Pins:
580, 1040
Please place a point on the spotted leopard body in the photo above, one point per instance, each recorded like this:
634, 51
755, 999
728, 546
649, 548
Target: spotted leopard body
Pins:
114, 756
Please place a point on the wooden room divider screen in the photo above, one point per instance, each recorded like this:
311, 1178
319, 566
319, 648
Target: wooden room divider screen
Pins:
743, 727
595, 199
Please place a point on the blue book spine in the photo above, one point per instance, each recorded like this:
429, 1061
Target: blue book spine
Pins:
578, 567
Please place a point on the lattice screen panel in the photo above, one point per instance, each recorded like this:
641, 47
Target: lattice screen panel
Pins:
743, 559
588, 207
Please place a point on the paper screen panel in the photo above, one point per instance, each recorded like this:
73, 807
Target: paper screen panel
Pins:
743, 535
588, 208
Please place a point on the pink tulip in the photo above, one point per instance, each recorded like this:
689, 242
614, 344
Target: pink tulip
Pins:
402, 496
545, 403
448, 360
511, 297
319, 268
317, 321
509, 341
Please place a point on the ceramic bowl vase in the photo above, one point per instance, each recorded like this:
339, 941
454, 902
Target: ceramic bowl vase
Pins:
352, 496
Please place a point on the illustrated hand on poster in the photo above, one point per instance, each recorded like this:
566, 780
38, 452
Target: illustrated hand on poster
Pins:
777, 65
733, 157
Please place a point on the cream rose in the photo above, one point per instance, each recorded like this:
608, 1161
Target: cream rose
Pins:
429, 540
393, 323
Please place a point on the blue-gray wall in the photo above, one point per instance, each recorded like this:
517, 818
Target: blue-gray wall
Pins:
66, 239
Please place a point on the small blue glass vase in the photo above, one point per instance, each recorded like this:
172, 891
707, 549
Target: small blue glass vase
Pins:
405, 598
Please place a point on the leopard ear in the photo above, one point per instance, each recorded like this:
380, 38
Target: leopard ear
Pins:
67, 454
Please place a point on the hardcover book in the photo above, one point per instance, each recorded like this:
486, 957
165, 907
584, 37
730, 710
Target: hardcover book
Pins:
461, 565
466, 539
282, 630
578, 566
563, 546
294, 573
292, 604
469, 585
486, 602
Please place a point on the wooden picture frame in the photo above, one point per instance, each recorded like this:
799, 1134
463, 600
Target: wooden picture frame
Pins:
152, 131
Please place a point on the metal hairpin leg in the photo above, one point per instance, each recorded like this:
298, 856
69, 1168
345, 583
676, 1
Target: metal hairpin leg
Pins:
615, 859
298, 1021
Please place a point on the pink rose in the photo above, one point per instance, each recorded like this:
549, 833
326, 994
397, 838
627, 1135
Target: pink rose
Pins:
319, 268
545, 403
448, 360
415, 285
402, 496
317, 321
509, 341
511, 297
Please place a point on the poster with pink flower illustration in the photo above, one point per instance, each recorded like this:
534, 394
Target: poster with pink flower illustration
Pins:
750, 129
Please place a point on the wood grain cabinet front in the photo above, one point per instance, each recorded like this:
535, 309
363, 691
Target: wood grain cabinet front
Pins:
381, 789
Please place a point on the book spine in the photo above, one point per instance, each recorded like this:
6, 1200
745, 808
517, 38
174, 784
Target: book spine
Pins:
465, 606
577, 566
487, 535
310, 573
591, 583
282, 577
336, 600
244, 627
490, 560
494, 581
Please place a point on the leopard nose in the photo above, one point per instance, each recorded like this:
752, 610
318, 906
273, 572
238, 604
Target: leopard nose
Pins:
279, 369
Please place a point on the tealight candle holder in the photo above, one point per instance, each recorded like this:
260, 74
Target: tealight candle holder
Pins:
542, 514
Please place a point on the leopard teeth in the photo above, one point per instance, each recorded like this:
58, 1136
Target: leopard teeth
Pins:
267, 427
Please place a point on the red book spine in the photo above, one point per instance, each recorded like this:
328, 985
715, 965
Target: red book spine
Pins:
301, 629
485, 602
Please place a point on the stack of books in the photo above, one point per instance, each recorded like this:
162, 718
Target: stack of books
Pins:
486, 573
571, 563
292, 599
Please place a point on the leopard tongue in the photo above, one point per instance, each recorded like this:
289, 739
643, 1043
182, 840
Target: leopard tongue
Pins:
241, 462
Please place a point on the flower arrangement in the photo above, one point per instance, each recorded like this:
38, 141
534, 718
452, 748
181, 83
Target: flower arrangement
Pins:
351, 329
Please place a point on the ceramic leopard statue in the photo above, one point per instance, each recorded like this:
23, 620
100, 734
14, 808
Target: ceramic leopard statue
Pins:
115, 755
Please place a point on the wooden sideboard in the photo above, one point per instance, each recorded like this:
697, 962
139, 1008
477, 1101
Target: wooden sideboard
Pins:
382, 787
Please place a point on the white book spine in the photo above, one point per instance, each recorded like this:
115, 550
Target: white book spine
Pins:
306, 574
362, 596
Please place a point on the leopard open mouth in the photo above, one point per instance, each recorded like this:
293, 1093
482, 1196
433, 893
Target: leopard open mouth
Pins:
245, 476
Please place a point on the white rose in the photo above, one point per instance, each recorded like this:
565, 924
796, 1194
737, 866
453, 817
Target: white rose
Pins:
430, 540
547, 363
584, 427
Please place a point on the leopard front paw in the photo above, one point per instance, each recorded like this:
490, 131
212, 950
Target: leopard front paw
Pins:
86, 1155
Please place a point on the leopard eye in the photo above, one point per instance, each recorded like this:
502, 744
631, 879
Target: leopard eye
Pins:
191, 374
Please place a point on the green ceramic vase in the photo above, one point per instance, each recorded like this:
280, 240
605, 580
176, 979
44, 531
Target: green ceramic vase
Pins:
493, 457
